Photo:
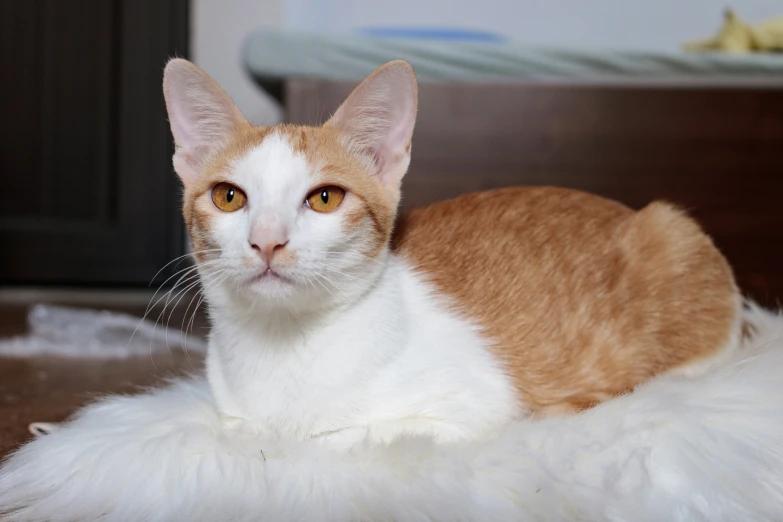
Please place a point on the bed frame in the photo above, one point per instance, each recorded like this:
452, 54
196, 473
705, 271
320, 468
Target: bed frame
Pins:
716, 151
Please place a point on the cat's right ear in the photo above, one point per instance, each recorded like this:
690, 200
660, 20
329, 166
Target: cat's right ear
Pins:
202, 116
378, 118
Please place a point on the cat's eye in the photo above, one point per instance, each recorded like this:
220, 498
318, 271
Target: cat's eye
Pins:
227, 197
325, 199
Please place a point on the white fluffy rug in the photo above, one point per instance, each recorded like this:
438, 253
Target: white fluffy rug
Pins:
708, 448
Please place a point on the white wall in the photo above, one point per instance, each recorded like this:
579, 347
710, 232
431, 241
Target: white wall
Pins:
658, 25
217, 31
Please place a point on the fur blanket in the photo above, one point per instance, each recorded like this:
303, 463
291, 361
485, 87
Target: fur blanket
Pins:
707, 448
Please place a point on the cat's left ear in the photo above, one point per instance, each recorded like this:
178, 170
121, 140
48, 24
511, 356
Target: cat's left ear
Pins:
202, 117
378, 119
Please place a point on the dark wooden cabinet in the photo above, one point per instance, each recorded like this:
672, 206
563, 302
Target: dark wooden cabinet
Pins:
88, 194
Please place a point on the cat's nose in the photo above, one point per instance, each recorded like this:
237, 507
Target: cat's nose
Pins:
267, 252
266, 241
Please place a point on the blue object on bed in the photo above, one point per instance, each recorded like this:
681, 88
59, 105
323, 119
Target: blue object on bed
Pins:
422, 33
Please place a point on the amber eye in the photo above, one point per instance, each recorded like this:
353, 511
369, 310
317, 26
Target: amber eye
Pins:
325, 199
227, 197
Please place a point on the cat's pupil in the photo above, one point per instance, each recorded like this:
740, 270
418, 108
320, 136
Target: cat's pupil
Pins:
230, 195
325, 196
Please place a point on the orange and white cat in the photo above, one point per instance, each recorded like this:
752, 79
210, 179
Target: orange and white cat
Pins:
330, 322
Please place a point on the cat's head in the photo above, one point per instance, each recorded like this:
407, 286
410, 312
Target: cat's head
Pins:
291, 216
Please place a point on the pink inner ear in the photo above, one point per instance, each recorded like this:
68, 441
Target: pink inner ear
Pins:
201, 115
179, 127
185, 167
379, 117
399, 135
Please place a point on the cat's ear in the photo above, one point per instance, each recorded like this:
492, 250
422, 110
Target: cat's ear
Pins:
378, 119
202, 116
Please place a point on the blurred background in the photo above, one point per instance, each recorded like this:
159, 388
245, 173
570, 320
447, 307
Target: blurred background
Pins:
596, 95
219, 29
603, 96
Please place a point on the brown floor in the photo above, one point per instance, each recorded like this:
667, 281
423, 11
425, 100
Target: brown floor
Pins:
50, 389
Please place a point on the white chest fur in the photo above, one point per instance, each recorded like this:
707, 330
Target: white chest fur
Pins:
399, 361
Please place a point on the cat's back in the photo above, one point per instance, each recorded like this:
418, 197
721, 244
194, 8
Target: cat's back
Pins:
581, 297
502, 222
487, 244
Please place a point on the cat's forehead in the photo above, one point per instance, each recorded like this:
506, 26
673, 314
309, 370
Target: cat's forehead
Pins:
290, 158
273, 165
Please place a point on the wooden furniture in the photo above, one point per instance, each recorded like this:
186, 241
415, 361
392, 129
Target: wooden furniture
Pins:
88, 192
716, 151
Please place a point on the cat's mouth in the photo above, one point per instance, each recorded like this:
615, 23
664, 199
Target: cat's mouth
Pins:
270, 275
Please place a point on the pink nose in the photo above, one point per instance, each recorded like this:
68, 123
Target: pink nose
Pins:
267, 241
267, 252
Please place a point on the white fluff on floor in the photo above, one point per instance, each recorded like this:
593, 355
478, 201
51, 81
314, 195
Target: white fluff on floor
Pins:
83, 333
707, 448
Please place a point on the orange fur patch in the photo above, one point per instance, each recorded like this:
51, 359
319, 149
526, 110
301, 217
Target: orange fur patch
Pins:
582, 297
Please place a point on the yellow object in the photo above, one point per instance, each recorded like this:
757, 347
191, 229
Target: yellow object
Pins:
738, 37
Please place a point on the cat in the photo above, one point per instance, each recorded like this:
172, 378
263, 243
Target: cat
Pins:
331, 323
